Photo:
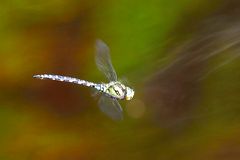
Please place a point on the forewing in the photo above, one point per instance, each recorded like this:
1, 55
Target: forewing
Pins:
103, 60
111, 107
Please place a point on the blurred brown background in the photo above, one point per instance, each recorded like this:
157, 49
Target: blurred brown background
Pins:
181, 57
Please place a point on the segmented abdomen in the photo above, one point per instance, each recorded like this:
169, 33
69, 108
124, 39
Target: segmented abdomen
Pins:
66, 79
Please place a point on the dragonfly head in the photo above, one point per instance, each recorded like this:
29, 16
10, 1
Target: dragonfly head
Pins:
129, 93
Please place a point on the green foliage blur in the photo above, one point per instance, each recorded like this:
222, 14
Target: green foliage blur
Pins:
181, 57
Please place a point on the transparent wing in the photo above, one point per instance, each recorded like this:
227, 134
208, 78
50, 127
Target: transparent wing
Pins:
124, 80
103, 60
111, 107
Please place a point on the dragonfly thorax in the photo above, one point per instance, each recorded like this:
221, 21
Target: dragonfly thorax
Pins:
118, 90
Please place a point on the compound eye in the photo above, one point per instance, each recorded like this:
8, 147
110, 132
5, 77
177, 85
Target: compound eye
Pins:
129, 94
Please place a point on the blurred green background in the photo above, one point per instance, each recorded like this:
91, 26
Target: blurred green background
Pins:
181, 57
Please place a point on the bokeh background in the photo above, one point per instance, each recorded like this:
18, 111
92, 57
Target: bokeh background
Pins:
181, 57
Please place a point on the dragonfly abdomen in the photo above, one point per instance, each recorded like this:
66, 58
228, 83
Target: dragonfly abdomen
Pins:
66, 79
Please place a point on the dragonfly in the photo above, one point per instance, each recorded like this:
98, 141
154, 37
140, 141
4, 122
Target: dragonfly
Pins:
111, 92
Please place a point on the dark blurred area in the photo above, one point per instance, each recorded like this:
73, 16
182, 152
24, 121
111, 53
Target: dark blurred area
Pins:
181, 58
